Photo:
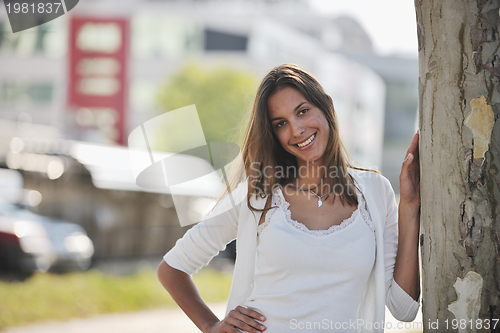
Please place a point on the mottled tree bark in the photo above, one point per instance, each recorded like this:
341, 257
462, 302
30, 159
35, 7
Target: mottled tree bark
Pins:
459, 104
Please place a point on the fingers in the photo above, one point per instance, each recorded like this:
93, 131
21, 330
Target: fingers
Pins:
410, 163
413, 149
406, 166
245, 319
410, 168
412, 155
251, 313
416, 137
409, 157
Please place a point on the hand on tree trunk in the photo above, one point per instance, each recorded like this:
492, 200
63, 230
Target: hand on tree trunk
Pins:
409, 179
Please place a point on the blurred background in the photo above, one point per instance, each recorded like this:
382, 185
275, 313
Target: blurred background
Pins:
74, 88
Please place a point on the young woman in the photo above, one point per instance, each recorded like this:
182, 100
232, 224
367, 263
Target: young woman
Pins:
318, 246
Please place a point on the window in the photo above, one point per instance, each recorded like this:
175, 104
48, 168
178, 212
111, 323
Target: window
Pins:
49, 39
13, 92
157, 36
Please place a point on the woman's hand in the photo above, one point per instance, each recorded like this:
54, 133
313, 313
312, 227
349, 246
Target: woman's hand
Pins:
184, 292
406, 269
409, 179
242, 318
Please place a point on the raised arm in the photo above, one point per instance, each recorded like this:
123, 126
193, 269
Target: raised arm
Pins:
406, 270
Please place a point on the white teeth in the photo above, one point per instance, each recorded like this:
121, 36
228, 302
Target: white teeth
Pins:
308, 141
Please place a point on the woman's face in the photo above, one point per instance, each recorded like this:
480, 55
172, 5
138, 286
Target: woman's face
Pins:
301, 127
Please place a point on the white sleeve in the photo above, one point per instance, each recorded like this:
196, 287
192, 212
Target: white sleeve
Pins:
402, 306
204, 241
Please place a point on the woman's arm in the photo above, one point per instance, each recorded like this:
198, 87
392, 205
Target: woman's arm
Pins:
406, 270
184, 292
195, 250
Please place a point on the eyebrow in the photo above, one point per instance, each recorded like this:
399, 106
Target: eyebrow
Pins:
295, 110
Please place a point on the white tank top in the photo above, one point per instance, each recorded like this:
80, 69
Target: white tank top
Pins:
311, 280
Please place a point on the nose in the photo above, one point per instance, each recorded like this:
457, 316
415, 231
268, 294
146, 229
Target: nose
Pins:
297, 128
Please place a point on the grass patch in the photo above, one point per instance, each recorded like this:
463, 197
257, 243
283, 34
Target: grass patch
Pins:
83, 294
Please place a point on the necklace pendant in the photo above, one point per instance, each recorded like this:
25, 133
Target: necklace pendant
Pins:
319, 202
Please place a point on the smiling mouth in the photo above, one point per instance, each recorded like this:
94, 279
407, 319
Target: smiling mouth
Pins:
305, 143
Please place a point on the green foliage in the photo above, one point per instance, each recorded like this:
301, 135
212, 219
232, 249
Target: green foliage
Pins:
62, 297
223, 97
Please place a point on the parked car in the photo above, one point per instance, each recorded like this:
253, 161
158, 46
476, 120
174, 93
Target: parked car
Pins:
24, 248
30, 242
72, 246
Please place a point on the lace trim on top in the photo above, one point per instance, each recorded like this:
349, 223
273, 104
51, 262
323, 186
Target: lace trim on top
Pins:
278, 199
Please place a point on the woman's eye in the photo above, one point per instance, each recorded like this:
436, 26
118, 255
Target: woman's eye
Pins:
301, 112
281, 123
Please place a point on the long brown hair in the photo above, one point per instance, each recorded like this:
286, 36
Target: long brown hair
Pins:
264, 157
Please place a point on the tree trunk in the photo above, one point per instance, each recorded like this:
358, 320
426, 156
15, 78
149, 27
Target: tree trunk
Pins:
459, 103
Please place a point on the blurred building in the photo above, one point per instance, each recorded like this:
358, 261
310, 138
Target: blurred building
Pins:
371, 93
37, 64
400, 75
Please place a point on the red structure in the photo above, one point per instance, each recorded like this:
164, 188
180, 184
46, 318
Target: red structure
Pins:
98, 75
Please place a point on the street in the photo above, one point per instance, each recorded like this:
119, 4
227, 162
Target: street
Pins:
158, 321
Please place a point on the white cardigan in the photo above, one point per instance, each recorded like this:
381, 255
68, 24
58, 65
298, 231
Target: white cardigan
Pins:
233, 219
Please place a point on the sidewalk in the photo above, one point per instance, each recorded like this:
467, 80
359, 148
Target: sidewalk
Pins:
155, 321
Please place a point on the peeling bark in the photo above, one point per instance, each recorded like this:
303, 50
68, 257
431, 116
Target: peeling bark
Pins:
480, 121
459, 105
468, 303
